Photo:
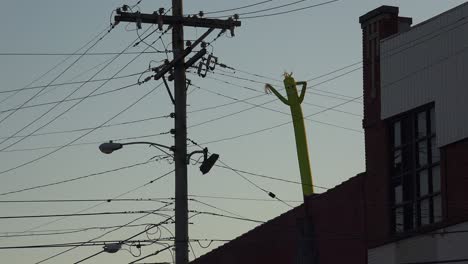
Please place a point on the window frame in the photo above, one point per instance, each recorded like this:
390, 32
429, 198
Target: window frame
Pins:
406, 177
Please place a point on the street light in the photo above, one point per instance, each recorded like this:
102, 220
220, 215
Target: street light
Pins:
109, 147
205, 167
112, 248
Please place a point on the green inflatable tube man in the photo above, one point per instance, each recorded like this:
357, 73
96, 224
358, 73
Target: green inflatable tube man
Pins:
294, 101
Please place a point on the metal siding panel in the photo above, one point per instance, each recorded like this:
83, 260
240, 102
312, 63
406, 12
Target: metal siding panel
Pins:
431, 247
382, 255
433, 67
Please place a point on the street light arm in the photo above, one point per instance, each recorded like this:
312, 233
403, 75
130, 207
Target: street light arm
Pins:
204, 152
148, 143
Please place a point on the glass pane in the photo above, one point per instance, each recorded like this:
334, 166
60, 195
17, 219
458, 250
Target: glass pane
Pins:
397, 134
398, 194
436, 179
409, 216
424, 212
435, 150
433, 121
408, 188
437, 201
423, 183
397, 161
421, 125
422, 153
399, 219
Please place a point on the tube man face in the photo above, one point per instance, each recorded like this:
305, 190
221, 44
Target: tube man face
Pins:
289, 83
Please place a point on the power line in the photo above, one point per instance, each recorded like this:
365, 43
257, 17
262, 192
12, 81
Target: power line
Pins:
95, 143
236, 8
54, 79
74, 54
70, 94
217, 208
270, 8
62, 231
275, 126
331, 94
239, 198
226, 216
83, 244
58, 64
88, 200
74, 179
269, 193
81, 214
70, 99
131, 237
290, 11
90, 128
80, 137
116, 197
270, 177
108, 232
262, 95
334, 71
75, 82
270, 109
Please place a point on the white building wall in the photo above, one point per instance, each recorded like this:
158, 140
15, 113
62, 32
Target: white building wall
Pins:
429, 63
437, 246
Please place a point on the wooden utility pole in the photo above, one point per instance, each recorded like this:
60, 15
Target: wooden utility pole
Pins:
178, 21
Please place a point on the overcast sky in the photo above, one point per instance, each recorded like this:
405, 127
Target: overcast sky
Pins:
223, 109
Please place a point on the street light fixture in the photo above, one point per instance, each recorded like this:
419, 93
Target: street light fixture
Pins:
112, 248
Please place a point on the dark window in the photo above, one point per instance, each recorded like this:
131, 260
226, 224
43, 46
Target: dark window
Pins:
416, 199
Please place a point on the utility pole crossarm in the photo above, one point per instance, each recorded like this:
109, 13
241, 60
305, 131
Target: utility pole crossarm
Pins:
176, 20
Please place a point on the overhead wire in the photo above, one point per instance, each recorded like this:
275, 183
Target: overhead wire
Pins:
75, 178
247, 199
90, 128
275, 126
95, 143
80, 137
101, 203
332, 94
270, 8
53, 80
272, 178
74, 54
269, 193
270, 109
235, 8
161, 200
131, 237
102, 235
263, 95
60, 63
66, 97
74, 82
75, 214
289, 11
61, 231
71, 99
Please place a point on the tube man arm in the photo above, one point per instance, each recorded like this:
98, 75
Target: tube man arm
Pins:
304, 87
268, 88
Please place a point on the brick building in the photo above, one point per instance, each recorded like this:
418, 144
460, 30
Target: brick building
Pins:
411, 203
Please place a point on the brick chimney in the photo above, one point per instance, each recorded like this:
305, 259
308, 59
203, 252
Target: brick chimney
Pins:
376, 25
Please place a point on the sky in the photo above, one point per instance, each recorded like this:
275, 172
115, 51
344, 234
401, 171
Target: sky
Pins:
48, 141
